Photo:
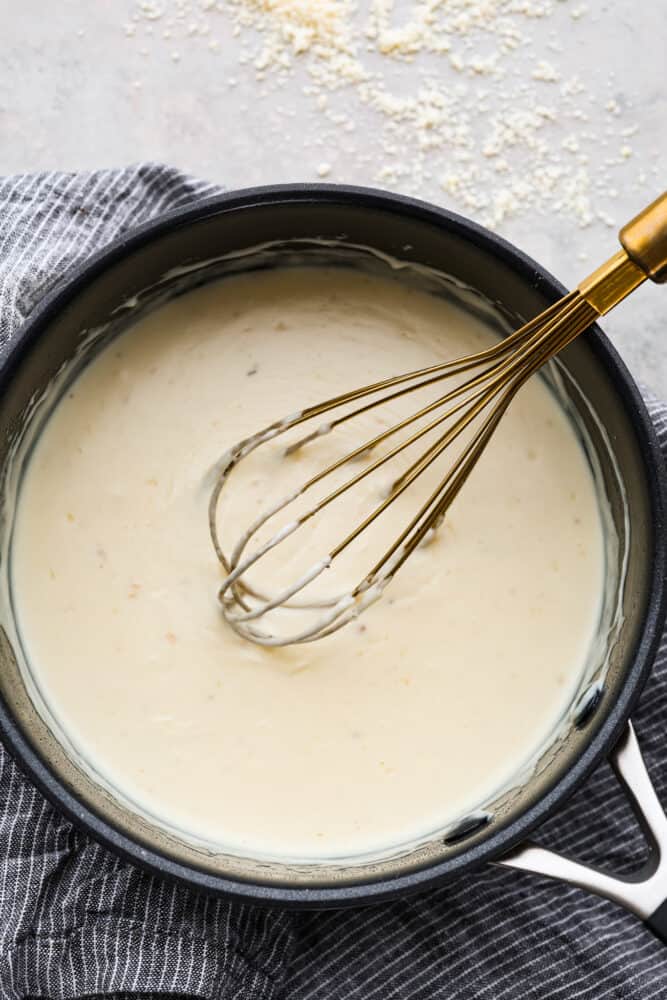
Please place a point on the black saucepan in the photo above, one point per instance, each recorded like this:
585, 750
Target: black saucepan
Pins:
598, 387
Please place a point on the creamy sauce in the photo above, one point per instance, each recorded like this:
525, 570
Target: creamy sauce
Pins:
381, 733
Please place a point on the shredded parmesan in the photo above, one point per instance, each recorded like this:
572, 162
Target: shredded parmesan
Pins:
456, 96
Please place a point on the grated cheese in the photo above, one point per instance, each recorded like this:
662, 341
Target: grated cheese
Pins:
458, 98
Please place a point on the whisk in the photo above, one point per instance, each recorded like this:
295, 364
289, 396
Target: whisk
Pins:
485, 385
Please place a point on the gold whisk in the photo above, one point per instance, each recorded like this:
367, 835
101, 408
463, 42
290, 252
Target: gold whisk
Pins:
492, 379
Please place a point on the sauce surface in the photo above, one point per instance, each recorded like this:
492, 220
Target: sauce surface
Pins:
359, 742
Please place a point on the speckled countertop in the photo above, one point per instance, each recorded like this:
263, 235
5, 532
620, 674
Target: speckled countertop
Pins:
543, 118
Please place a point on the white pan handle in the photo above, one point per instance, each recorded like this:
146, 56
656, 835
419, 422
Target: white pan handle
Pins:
644, 892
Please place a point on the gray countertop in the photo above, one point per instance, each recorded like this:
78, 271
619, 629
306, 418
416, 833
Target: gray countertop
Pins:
547, 123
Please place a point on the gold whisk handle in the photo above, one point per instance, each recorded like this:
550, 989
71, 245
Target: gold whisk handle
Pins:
644, 255
610, 283
644, 239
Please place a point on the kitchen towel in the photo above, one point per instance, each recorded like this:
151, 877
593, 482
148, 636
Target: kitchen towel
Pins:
75, 921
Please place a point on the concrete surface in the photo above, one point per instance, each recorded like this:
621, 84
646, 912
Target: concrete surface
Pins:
98, 84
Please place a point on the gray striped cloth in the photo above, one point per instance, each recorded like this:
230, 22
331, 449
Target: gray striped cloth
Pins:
77, 922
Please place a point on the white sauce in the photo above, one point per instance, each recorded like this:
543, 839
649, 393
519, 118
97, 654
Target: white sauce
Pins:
371, 737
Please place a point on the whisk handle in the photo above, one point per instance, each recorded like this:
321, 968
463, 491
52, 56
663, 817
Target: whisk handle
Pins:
644, 239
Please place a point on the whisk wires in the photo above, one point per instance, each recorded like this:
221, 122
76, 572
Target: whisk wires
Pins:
491, 379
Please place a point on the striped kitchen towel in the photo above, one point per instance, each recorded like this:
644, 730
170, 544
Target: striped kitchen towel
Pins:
75, 921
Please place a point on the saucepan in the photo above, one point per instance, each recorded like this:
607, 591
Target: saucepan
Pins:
266, 227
